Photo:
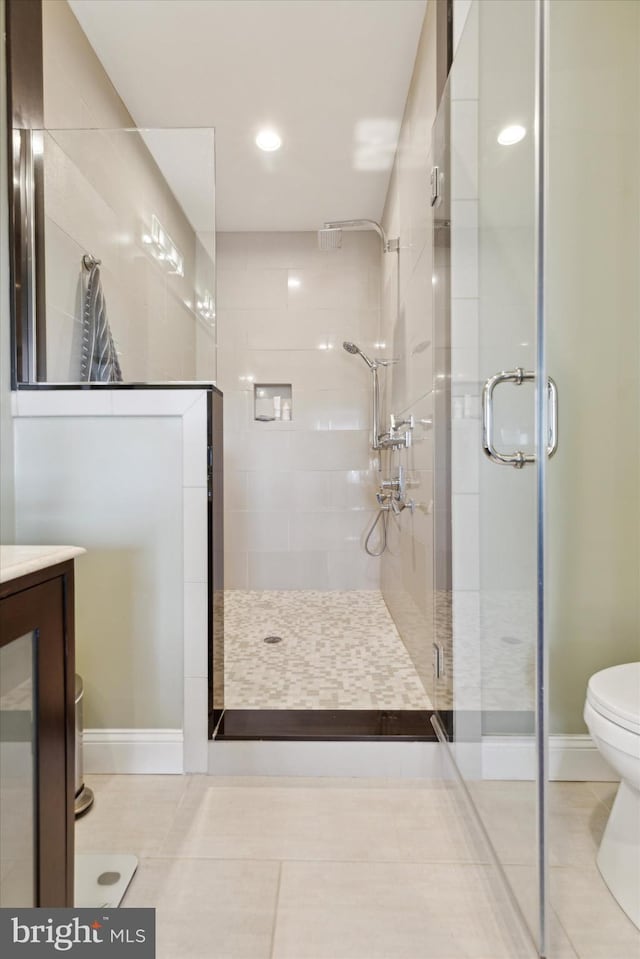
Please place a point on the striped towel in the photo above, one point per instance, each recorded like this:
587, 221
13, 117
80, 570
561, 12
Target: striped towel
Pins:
99, 361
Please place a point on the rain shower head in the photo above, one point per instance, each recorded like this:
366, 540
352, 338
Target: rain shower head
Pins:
355, 350
330, 236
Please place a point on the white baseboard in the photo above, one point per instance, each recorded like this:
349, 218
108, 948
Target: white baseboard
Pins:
410, 760
571, 758
133, 751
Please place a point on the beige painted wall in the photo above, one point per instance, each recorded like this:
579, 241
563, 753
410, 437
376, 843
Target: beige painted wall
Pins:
593, 335
7, 528
299, 495
101, 189
407, 330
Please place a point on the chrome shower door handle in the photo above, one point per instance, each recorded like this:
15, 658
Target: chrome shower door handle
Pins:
518, 458
552, 392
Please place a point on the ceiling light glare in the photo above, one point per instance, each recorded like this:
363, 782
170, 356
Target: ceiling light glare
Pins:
512, 134
268, 140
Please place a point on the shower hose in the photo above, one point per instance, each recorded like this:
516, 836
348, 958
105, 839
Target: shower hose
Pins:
382, 545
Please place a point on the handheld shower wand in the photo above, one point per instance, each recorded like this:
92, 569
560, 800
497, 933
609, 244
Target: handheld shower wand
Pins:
356, 351
374, 365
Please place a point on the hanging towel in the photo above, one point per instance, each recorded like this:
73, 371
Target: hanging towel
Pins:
99, 361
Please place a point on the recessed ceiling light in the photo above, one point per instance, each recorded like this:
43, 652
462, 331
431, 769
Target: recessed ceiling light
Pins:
268, 140
512, 134
294, 283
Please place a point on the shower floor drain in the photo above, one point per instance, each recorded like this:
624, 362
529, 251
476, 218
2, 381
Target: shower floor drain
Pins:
272, 639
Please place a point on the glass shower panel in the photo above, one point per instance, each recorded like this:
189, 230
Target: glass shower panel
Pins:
139, 205
488, 192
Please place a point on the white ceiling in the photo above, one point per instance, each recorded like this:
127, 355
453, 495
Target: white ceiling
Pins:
330, 75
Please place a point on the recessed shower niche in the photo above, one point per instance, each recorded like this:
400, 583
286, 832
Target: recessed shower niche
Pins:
272, 401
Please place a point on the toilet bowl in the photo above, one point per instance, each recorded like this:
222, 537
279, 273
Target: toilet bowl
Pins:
612, 715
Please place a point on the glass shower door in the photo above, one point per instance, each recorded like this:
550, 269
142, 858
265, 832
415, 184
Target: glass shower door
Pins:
489, 204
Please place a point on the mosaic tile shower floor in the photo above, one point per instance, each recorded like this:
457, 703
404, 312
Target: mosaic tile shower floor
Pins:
339, 650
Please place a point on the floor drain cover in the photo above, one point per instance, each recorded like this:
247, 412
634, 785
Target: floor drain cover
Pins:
273, 639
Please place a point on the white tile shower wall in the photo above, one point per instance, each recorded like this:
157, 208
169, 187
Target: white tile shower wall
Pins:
407, 565
101, 189
300, 494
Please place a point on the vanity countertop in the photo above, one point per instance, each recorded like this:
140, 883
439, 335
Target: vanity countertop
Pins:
16, 561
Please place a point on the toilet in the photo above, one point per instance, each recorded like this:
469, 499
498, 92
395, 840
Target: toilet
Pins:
612, 715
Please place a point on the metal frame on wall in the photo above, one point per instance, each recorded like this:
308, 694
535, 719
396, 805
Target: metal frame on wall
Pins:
25, 114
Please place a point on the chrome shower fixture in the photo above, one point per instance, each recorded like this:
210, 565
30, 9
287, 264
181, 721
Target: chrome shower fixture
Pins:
371, 363
356, 351
374, 365
330, 236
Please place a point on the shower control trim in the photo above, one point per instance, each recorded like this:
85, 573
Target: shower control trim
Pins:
393, 494
394, 438
518, 458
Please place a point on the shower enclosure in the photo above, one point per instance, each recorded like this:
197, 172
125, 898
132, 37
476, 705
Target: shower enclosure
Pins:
536, 578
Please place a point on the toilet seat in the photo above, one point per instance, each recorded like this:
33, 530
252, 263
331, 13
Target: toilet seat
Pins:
614, 693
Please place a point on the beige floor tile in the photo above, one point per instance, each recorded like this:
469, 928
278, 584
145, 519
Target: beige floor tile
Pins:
341, 822
508, 811
393, 911
208, 909
433, 824
592, 919
200, 781
605, 792
292, 823
131, 814
524, 883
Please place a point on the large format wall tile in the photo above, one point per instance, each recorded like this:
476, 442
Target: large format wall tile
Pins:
300, 494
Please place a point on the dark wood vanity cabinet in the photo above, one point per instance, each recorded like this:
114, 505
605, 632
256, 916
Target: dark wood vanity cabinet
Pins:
37, 732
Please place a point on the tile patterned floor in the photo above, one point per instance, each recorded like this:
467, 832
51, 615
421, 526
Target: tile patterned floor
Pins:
339, 650
346, 869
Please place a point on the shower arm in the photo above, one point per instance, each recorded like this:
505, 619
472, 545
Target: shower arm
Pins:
391, 245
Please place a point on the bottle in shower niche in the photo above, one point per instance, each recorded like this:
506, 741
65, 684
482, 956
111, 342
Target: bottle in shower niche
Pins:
277, 407
286, 410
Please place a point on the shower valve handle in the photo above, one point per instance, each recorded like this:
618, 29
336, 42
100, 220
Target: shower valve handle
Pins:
397, 424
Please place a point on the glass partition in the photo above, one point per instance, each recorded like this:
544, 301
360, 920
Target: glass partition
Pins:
129, 248
489, 208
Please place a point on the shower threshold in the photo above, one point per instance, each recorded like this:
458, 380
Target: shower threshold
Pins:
412, 725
